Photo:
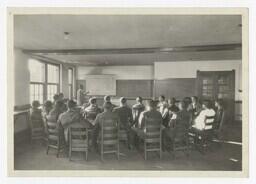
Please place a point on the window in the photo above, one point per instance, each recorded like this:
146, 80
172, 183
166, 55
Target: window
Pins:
70, 82
44, 80
53, 74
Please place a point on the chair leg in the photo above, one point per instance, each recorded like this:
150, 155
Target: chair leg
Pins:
102, 152
58, 149
117, 153
86, 155
47, 149
70, 154
145, 151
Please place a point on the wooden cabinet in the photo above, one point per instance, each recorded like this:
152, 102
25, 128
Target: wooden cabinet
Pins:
213, 85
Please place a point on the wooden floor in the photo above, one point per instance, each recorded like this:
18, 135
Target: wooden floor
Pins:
226, 158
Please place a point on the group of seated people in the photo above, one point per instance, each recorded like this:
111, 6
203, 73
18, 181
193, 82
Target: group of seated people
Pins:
175, 120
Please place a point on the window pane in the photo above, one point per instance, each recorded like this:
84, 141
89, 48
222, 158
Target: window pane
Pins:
51, 90
53, 73
36, 93
70, 76
36, 70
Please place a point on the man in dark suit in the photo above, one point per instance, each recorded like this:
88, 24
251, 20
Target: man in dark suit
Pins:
126, 121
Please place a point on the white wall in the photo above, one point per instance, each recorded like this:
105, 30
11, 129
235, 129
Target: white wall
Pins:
120, 72
21, 77
188, 69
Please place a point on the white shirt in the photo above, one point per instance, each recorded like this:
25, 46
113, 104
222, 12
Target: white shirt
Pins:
200, 119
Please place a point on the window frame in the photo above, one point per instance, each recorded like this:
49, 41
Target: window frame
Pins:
46, 83
71, 85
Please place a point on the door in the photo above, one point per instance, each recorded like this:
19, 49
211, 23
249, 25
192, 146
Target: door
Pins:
218, 85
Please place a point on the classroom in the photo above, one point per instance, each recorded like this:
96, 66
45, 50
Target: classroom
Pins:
127, 92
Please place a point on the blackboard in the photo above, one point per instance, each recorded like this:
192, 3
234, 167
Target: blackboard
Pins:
178, 88
134, 88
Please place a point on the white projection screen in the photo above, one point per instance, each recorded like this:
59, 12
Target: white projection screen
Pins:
101, 84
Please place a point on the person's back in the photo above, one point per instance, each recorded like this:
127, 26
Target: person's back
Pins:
36, 118
152, 114
55, 112
125, 114
109, 115
68, 118
91, 111
182, 123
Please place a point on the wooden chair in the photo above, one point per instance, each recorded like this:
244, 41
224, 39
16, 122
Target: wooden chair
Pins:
78, 139
37, 130
54, 138
109, 137
152, 136
203, 138
181, 143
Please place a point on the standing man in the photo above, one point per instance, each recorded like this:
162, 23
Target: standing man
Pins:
80, 95
137, 109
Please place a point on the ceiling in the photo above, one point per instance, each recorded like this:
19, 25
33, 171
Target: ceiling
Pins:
46, 32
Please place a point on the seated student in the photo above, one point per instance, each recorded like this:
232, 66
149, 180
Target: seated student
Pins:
161, 104
46, 110
172, 107
100, 119
107, 98
55, 112
151, 112
68, 118
187, 101
36, 114
126, 121
47, 107
92, 110
195, 107
137, 109
55, 98
207, 110
181, 125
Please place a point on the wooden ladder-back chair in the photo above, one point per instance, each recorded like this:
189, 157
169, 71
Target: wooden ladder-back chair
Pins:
37, 129
54, 138
78, 139
109, 137
203, 138
152, 136
180, 140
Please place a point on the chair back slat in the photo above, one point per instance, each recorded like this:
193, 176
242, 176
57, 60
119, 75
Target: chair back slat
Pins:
109, 136
209, 121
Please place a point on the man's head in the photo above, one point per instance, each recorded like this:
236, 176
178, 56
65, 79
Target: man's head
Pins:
71, 104
172, 101
107, 98
81, 86
194, 99
161, 98
139, 99
35, 104
182, 105
55, 97
61, 96
47, 104
92, 100
123, 101
107, 106
151, 104
207, 104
